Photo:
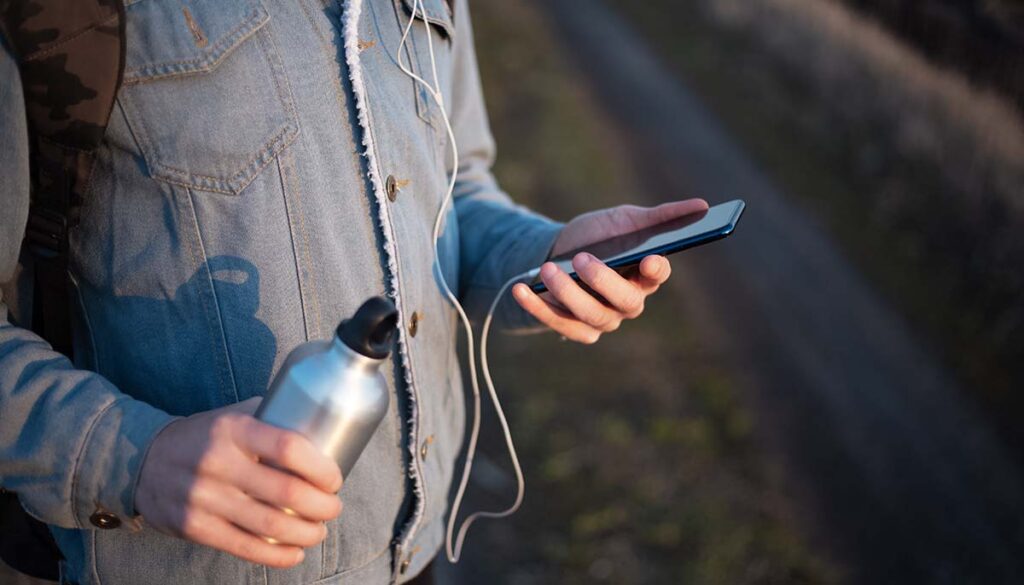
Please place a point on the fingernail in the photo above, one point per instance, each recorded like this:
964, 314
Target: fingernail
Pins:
519, 290
548, 270
582, 259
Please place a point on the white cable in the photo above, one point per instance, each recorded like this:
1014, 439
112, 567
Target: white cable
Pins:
454, 552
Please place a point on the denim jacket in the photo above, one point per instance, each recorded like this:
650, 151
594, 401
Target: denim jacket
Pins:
267, 167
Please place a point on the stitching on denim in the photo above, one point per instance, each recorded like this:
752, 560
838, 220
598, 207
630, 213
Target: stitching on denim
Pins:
93, 537
216, 300
207, 62
81, 453
88, 322
295, 252
438, 18
242, 178
199, 263
348, 571
307, 252
284, 137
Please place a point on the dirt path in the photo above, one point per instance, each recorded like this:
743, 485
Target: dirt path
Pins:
899, 473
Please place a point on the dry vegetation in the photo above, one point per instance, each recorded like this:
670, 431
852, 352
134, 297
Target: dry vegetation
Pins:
919, 172
649, 473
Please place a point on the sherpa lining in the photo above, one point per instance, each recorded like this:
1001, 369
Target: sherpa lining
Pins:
353, 9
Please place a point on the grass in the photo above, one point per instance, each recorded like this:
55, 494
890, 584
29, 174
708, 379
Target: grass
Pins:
640, 473
918, 172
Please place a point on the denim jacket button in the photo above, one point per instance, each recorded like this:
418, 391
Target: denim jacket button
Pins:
414, 323
104, 520
391, 186
425, 446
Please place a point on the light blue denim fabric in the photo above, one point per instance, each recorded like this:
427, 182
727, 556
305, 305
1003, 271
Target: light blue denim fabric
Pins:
233, 214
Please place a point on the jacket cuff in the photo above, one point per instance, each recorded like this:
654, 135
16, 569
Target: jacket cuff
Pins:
107, 470
530, 251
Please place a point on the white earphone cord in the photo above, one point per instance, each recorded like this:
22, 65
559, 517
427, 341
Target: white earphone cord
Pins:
454, 552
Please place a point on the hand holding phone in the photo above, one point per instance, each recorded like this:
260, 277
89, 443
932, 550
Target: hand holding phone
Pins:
585, 297
625, 251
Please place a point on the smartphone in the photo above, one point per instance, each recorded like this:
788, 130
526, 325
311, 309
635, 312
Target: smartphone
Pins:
626, 251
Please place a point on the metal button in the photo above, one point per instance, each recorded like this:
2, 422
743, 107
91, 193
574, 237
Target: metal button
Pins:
414, 323
408, 561
391, 186
104, 520
425, 446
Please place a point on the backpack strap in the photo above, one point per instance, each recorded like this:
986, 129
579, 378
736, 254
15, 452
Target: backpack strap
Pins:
70, 56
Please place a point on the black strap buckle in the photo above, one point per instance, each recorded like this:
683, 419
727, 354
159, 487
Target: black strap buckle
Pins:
46, 232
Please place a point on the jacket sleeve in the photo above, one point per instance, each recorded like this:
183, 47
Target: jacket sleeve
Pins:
497, 239
70, 443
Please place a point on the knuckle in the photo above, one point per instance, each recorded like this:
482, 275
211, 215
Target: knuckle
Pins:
249, 550
287, 447
210, 462
596, 275
191, 524
600, 319
289, 492
269, 523
225, 424
634, 304
591, 338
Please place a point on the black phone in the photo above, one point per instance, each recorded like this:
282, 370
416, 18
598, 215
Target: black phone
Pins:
626, 251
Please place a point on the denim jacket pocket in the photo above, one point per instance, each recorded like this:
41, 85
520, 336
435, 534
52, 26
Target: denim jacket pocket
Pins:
205, 92
437, 12
442, 34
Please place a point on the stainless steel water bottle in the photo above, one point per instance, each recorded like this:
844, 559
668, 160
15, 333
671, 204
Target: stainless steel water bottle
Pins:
332, 391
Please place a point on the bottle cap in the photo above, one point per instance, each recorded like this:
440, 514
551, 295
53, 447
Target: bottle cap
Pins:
370, 330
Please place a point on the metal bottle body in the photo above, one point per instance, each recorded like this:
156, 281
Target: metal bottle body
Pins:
332, 395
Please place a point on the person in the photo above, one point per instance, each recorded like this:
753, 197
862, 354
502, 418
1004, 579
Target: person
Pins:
267, 167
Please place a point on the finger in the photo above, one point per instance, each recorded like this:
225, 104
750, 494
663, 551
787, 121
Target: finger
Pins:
652, 273
290, 451
578, 301
555, 318
263, 520
213, 531
671, 210
284, 490
622, 294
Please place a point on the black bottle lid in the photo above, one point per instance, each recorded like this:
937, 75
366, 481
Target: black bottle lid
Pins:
370, 330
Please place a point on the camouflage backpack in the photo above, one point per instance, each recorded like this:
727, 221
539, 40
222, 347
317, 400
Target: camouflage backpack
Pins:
70, 56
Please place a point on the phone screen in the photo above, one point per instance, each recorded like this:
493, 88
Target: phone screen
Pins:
671, 236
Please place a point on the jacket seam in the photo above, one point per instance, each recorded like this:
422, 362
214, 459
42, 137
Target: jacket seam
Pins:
216, 328
81, 453
87, 322
295, 252
233, 39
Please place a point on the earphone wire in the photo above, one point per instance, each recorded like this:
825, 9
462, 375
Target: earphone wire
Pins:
454, 551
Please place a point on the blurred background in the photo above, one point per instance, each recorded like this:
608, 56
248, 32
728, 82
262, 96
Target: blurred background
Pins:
833, 394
